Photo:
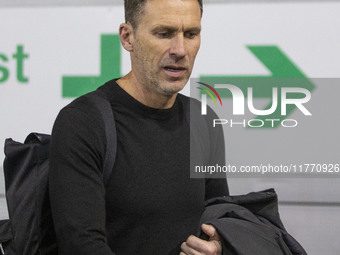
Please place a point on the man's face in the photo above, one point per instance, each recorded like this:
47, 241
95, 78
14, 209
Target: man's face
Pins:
166, 41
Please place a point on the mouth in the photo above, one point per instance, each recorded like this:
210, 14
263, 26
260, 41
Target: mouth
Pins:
174, 68
175, 71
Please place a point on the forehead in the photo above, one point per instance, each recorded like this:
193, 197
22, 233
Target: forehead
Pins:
172, 13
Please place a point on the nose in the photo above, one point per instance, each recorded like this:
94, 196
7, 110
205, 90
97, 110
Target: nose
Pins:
177, 48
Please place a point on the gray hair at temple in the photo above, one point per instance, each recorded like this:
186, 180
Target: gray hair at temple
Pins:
134, 10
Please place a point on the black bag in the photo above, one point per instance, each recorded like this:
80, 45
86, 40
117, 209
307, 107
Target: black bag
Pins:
30, 229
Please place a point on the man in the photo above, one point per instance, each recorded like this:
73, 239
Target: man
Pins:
150, 205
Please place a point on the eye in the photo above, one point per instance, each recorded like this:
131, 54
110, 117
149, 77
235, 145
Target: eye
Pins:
163, 35
191, 35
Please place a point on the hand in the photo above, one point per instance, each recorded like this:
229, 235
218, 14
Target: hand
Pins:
196, 246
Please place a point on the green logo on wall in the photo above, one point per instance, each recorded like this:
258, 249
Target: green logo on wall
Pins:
19, 57
74, 86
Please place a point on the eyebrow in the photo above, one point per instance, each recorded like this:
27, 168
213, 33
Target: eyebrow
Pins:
173, 29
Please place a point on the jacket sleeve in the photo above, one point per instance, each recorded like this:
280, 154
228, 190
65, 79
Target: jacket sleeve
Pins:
77, 192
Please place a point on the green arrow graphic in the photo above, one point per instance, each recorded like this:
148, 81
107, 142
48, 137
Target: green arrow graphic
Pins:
280, 66
74, 86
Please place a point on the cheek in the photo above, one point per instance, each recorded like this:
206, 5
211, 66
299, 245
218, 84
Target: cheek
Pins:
193, 49
152, 48
158, 59
153, 54
193, 54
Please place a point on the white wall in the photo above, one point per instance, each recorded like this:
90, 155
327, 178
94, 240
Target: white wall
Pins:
65, 41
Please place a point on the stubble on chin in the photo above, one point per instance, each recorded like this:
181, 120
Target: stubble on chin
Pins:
165, 87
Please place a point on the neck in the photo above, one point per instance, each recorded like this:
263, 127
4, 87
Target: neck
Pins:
144, 95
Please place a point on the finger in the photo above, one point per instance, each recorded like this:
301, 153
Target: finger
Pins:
199, 246
210, 231
187, 250
196, 243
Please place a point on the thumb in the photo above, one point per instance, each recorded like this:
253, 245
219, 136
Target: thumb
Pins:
210, 231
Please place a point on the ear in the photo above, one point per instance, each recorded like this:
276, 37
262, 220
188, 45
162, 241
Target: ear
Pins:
126, 36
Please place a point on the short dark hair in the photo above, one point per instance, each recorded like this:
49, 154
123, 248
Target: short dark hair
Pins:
134, 10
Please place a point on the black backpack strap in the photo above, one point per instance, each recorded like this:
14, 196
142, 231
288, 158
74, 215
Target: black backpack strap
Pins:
103, 104
6, 237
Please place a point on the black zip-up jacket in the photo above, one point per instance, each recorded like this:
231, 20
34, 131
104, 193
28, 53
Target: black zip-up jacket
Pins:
250, 225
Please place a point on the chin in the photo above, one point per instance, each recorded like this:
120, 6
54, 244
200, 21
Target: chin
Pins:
173, 87
169, 91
